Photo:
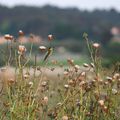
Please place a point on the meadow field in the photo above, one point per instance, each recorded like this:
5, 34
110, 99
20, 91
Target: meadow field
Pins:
46, 88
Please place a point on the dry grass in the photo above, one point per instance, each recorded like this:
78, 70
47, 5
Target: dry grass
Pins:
58, 93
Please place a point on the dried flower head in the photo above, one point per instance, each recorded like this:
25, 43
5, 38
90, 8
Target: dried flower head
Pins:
66, 73
50, 37
92, 65
116, 76
21, 49
11, 81
106, 83
65, 118
114, 91
71, 82
110, 79
45, 100
66, 86
59, 104
30, 83
26, 76
96, 45
83, 74
105, 109
21, 33
77, 67
44, 83
86, 65
8, 37
70, 61
101, 103
42, 48
82, 83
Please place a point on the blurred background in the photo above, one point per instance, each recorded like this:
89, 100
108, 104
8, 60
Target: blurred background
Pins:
67, 20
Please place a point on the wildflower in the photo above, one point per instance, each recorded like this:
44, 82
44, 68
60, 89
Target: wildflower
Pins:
82, 83
71, 82
8, 37
105, 109
59, 104
109, 79
101, 103
50, 37
66, 86
77, 67
96, 45
106, 83
92, 65
116, 76
30, 83
42, 48
65, 118
45, 100
44, 83
66, 73
83, 74
11, 81
21, 33
85, 65
21, 49
100, 81
71, 62
114, 91
26, 76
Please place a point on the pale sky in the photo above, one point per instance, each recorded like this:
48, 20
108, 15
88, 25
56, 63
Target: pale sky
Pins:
81, 4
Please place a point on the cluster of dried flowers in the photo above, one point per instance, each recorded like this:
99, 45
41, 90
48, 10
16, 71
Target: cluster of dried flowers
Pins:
83, 92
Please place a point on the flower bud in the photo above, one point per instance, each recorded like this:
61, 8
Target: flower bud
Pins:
77, 67
105, 109
66, 73
45, 100
21, 33
65, 118
101, 103
8, 37
21, 49
30, 83
42, 48
66, 86
71, 62
50, 37
96, 45
86, 65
